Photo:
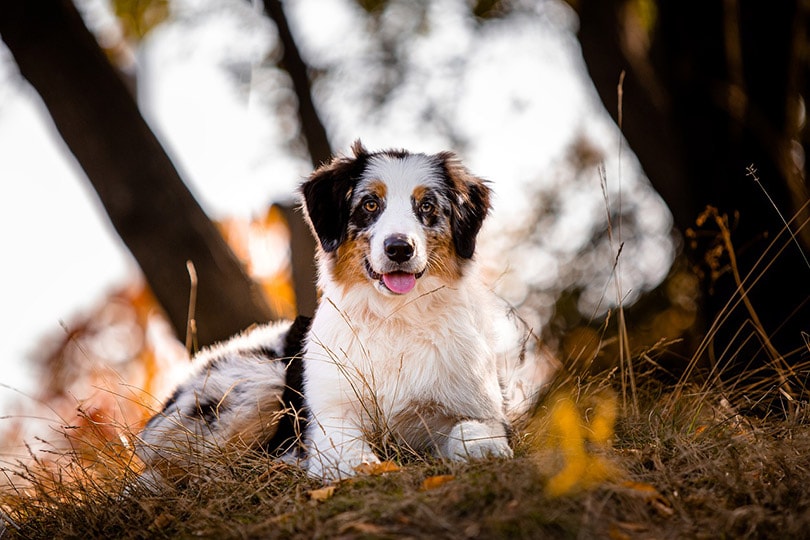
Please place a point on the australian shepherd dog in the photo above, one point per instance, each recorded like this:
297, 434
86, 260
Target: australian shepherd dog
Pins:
408, 344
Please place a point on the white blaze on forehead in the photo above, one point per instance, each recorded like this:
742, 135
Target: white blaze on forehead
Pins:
402, 175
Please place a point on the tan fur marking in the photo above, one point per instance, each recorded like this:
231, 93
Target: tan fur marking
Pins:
378, 188
419, 192
348, 269
442, 258
260, 423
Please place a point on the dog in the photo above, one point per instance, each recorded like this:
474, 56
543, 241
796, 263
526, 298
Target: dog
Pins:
408, 344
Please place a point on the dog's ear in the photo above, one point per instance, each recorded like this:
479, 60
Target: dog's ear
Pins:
328, 194
469, 197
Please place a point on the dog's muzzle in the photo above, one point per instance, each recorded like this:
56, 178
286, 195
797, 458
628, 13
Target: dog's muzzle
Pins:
399, 249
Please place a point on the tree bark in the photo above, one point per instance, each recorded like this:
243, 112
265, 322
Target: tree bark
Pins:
148, 204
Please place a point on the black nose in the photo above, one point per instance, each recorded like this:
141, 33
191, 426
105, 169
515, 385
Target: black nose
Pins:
398, 248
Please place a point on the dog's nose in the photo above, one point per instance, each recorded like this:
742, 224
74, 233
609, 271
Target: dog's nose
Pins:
398, 248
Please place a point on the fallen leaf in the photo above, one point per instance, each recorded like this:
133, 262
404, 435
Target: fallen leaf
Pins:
163, 520
363, 528
432, 482
640, 488
581, 472
322, 494
620, 530
651, 495
375, 469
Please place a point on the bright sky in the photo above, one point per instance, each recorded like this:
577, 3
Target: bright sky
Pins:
59, 255
517, 100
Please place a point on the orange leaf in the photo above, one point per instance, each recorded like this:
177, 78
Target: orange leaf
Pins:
651, 495
363, 528
641, 488
432, 482
375, 469
322, 494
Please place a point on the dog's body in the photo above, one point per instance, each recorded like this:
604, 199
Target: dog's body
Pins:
407, 343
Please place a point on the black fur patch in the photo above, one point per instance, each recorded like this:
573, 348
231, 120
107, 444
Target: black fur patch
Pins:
469, 198
328, 194
292, 424
361, 218
208, 410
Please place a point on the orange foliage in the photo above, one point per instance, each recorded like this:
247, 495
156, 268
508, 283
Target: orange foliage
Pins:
573, 434
263, 246
113, 367
434, 482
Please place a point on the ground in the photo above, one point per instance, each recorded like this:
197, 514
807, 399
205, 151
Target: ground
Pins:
670, 463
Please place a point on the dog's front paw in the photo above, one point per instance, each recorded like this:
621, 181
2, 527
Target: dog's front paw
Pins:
333, 468
481, 449
477, 440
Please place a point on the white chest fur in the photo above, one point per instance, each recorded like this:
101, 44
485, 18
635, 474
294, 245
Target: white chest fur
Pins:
412, 369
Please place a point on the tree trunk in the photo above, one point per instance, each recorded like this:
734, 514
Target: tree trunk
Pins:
645, 121
314, 133
311, 126
717, 93
151, 209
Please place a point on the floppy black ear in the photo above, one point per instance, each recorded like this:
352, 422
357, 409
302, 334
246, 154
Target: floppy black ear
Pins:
328, 194
469, 197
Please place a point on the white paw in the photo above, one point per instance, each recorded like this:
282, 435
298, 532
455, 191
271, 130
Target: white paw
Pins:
476, 440
331, 468
481, 449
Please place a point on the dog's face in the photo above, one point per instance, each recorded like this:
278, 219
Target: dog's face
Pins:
390, 218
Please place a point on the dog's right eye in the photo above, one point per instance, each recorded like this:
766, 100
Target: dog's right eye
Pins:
371, 206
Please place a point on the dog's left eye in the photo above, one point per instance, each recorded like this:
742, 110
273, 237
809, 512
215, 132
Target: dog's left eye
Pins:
426, 207
371, 206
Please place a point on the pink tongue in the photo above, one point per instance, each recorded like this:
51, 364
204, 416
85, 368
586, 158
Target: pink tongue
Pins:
399, 282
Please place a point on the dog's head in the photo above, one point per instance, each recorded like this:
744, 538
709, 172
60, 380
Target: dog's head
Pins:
390, 218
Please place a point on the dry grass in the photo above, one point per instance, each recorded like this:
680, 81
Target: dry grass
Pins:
695, 468
613, 455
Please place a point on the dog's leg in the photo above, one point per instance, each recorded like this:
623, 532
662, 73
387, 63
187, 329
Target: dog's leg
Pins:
336, 448
474, 439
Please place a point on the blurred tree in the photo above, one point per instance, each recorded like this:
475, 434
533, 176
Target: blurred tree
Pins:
302, 242
151, 209
712, 103
313, 129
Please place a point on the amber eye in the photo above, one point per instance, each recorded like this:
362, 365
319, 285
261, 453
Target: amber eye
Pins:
426, 207
371, 206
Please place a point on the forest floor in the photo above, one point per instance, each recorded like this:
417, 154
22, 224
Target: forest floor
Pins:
659, 462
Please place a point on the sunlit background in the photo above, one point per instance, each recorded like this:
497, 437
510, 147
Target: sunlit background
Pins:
508, 93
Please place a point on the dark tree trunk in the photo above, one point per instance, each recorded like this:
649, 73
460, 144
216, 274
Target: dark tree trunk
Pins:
716, 93
313, 129
151, 209
646, 116
314, 132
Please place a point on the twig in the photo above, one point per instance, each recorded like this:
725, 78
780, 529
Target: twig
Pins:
752, 172
191, 323
778, 360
